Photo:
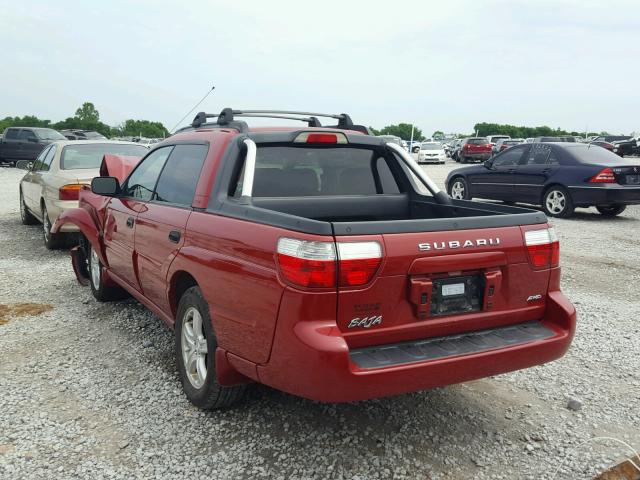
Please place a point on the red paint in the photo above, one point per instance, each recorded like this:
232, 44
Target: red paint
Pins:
274, 327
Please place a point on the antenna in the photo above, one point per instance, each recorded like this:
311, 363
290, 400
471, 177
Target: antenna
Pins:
194, 107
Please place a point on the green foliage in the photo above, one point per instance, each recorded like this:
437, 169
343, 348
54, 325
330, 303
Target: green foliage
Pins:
438, 135
402, 130
87, 113
145, 128
513, 131
88, 118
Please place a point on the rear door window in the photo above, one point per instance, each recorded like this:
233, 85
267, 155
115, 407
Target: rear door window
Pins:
11, 134
178, 180
27, 135
40, 163
283, 171
538, 155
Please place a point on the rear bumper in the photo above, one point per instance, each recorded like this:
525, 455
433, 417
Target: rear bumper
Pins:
313, 360
55, 209
606, 195
476, 155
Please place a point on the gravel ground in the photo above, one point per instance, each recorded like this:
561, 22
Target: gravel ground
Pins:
91, 390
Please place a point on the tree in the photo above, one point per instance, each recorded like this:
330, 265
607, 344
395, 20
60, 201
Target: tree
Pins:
87, 113
145, 128
438, 135
402, 130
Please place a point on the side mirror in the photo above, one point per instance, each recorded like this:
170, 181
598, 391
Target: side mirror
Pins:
106, 186
24, 164
488, 164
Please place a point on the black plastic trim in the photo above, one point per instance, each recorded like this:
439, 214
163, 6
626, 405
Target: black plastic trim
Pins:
436, 348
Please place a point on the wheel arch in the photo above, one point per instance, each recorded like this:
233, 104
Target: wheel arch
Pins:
180, 282
548, 187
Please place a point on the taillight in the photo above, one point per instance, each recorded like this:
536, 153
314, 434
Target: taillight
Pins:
69, 192
307, 264
604, 176
543, 248
317, 265
358, 262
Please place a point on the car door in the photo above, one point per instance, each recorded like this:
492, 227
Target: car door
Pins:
28, 146
533, 171
10, 144
32, 183
160, 226
495, 180
121, 214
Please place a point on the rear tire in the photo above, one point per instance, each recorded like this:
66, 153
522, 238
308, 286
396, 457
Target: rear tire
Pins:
612, 211
99, 289
25, 215
557, 202
52, 241
195, 346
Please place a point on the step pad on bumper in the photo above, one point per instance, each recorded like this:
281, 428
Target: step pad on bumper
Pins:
440, 347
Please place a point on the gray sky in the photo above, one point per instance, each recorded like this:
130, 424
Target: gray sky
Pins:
444, 65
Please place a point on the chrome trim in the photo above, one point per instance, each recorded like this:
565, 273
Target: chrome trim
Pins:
249, 167
414, 167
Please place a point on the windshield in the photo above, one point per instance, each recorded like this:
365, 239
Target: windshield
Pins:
431, 146
477, 141
49, 134
90, 155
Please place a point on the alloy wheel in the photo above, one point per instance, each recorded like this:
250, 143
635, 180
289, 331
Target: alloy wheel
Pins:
194, 347
556, 202
458, 190
95, 269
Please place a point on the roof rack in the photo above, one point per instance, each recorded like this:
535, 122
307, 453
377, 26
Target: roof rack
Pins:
226, 118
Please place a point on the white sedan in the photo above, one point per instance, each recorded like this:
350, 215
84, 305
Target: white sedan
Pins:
432, 152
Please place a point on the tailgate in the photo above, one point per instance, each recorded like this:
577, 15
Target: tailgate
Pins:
443, 283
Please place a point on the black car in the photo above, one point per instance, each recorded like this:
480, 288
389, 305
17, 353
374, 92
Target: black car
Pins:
25, 143
558, 176
75, 134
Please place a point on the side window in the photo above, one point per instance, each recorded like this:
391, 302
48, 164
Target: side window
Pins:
389, 184
27, 135
11, 133
45, 163
39, 163
508, 158
143, 179
180, 175
553, 159
538, 155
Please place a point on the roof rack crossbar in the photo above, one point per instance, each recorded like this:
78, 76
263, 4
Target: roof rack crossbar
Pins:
226, 117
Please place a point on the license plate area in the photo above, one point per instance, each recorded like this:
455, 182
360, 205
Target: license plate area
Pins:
454, 295
633, 179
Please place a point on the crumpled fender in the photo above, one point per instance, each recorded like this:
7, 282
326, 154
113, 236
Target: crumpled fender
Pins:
119, 166
85, 222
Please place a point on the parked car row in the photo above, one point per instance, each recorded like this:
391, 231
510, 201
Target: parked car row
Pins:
366, 279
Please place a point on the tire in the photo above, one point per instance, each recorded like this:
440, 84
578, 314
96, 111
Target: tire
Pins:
25, 215
52, 241
612, 211
101, 292
195, 346
557, 202
458, 189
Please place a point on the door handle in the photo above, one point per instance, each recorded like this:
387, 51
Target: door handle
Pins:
511, 170
174, 236
130, 222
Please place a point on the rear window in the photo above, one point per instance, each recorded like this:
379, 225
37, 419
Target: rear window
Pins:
477, 141
90, 155
596, 155
303, 171
48, 134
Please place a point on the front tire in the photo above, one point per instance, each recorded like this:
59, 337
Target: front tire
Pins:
25, 215
100, 290
458, 189
612, 210
557, 202
195, 346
